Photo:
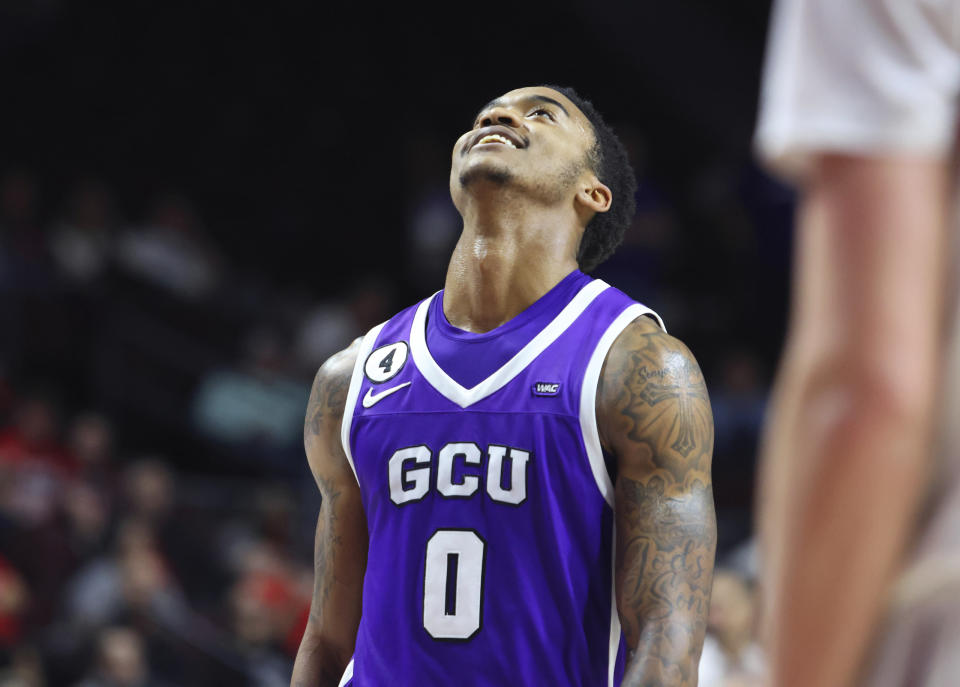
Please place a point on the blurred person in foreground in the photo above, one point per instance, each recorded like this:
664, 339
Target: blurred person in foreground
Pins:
860, 501
498, 429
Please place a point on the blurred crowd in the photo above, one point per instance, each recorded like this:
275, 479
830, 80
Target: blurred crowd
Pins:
156, 512
118, 570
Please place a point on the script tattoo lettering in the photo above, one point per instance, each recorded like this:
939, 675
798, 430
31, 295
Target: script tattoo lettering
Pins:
654, 408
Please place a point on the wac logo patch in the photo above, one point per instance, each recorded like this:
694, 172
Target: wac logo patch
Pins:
546, 388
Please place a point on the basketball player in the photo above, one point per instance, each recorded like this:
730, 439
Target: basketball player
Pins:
860, 519
494, 457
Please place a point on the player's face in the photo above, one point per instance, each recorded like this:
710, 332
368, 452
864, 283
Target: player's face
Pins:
533, 138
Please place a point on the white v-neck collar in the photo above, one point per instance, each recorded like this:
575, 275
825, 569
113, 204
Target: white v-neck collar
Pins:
463, 396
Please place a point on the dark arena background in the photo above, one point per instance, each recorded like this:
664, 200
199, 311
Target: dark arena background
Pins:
200, 202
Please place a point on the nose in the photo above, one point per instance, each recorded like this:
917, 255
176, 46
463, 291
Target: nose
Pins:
498, 115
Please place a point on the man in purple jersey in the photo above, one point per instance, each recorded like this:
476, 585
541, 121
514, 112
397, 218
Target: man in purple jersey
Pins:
519, 466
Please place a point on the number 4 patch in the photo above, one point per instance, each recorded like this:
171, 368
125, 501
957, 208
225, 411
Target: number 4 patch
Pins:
385, 362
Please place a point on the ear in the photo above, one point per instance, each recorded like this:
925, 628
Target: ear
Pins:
594, 195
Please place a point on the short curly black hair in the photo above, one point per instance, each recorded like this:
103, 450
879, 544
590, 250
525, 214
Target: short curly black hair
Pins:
609, 161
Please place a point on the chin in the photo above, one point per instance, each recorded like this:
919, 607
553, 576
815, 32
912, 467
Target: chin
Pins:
495, 175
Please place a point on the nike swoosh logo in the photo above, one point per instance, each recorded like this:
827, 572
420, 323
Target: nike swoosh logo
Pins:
371, 399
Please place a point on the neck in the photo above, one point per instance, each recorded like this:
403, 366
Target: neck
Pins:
509, 254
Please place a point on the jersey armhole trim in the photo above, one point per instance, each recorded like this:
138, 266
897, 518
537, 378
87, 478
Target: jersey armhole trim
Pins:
615, 629
347, 674
588, 395
354, 391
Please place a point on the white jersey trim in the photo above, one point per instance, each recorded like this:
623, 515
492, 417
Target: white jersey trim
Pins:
464, 397
588, 395
354, 391
347, 673
614, 615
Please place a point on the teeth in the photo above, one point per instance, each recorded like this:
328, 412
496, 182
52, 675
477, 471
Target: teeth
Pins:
497, 138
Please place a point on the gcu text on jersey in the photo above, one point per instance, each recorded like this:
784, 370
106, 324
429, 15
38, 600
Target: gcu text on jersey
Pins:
410, 473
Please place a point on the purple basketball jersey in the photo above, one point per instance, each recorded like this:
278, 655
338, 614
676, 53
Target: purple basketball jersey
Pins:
489, 509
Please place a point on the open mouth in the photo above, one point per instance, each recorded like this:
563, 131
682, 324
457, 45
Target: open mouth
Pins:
496, 138
498, 135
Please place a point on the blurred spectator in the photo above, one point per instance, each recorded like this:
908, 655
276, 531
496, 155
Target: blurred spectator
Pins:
738, 403
266, 606
738, 397
14, 598
121, 660
23, 670
82, 240
134, 584
171, 250
34, 434
731, 656
90, 440
33, 463
86, 514
332, 326
22, 241
148, 490
181, 537
258, 401
744, 559
131, 579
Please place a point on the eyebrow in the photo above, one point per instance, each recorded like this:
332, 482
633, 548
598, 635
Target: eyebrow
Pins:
534, 97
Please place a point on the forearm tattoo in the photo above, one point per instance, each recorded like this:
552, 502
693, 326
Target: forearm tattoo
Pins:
666, 527
324, 412
326, 542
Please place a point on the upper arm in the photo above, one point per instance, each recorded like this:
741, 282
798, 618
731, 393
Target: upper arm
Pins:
654, 415
341, 537
321, 427
653, 412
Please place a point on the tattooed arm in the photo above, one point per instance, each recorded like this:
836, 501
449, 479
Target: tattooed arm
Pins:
654, 416
340, 555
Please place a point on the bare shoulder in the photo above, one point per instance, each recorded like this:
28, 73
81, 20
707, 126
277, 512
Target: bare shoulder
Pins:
653, 410
321, 427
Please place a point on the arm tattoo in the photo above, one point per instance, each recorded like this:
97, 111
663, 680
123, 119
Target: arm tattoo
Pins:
326, 542
327, 399
666, 545
665, 400
340, 543
666, 529
324, 412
